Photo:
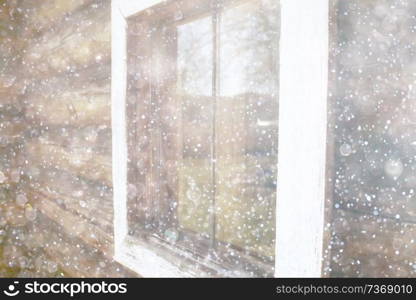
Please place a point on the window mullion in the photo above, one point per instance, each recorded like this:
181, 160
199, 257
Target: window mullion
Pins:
302, 138
215, 93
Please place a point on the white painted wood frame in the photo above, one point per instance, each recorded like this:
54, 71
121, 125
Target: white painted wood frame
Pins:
302, 142
302, 137
134, 256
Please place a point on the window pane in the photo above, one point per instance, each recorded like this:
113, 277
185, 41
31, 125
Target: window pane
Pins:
204, 91
195, 62
247, 126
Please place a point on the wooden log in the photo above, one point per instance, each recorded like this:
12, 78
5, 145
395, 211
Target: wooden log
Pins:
102, 217
12, 129
10, 164
371, 246
81, 40
11, 133
13, 214
89, 106
83, 163
76, 226
95, 76
87, 199
74, 256
92, 138
41, 16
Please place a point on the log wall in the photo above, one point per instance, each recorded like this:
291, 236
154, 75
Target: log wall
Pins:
55, 99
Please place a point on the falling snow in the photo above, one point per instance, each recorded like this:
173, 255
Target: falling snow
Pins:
202, 130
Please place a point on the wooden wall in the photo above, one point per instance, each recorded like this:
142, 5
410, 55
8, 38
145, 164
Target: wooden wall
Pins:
372, 173
11, 136
61, 93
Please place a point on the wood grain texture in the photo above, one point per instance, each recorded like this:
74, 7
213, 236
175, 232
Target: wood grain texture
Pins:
77, 41
55, 93
69, 107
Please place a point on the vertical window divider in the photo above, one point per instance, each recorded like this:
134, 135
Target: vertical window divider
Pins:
302, 138
216, 19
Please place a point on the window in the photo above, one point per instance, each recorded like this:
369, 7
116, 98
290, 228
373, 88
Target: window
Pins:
195, 88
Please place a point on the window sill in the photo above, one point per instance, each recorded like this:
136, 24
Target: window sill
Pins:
141, 259
149, 260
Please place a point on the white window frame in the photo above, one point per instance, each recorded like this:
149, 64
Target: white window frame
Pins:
302, 142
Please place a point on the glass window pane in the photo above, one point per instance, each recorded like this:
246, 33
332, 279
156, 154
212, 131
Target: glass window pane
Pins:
247, 126
204, 104
195, 73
